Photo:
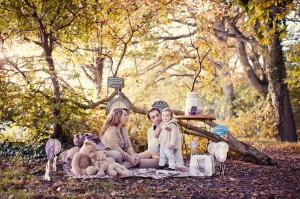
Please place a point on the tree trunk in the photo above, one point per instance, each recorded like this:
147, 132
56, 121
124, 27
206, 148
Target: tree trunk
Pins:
99, 62
254, 81
227, 88
228, 99
219, 26
245, 150
47, 43
276, 73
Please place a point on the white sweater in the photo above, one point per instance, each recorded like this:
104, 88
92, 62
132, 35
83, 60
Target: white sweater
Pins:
153, 144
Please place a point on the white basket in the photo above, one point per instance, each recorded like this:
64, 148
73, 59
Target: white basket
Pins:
202, 165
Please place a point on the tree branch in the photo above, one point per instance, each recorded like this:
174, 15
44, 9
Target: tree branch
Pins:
184, 22
293, 20
167, 38
75, 15
236, 36
260, 86
35, 42
88, 75
174, 75
101, 101
24, 76
199, 60
152, 65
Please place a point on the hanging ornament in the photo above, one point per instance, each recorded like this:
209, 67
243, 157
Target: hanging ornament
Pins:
193, 145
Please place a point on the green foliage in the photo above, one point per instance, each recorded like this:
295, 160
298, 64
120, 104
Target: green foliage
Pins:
254, 114
61, 18
293, 65
137, 129
27, 151
266, 17
34, 112
293, 79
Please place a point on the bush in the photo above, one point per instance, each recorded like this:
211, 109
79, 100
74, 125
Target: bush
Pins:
12, 149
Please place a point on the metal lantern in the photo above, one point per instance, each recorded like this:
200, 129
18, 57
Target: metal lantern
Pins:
117, 102
160, 104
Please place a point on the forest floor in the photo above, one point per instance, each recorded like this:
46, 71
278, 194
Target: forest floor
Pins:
23, 179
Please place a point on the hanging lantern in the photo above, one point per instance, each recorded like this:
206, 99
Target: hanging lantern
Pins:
117, 102
160, 104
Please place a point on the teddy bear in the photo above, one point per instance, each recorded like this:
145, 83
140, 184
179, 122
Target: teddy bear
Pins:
100, 162
67, 156
82, 160
107, 165
115, 168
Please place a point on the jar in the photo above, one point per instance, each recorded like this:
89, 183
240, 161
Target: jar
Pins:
192, 100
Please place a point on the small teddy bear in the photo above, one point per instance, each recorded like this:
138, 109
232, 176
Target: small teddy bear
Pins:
115, 168
100, 162
82, 160
107, 165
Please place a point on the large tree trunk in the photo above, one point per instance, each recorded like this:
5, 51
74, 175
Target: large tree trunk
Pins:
47, 45
253, 79
276, 74
221, 33
246, 151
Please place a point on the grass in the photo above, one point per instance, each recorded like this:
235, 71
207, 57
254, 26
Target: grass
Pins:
19, 194
13, 184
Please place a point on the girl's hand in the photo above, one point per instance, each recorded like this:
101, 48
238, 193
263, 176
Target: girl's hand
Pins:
172, 146
157, 132
134, 160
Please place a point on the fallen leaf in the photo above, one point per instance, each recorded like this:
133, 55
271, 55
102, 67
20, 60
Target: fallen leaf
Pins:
113, 193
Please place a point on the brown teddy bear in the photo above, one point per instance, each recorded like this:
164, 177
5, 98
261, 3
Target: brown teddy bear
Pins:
108, 166
82, 160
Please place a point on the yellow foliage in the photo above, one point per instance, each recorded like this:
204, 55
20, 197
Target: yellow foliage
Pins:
255, 122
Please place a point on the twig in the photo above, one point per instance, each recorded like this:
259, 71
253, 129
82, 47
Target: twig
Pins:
197, 72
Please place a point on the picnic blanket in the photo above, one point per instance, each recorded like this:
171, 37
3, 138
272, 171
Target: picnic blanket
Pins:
135, 172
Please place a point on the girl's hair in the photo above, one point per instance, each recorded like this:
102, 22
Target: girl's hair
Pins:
168, 110
113, 119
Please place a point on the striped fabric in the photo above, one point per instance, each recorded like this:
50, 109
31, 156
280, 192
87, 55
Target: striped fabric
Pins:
144, 173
